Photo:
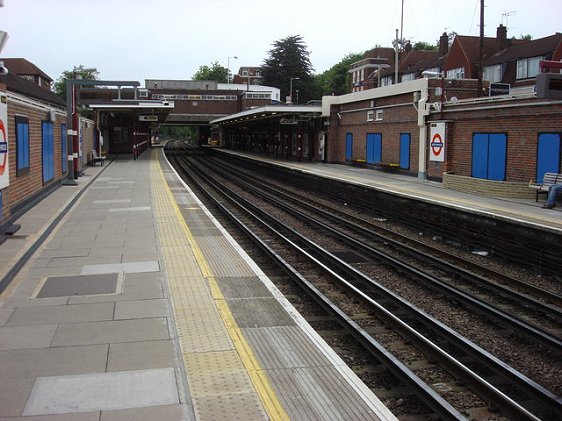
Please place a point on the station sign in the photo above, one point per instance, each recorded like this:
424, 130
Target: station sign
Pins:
499, 89
437, 142
148, 118
4, 167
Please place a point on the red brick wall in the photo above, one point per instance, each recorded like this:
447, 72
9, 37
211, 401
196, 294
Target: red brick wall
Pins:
522, 125
24, 186
400, 117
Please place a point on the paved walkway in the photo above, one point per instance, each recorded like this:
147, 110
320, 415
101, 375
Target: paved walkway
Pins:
85, 325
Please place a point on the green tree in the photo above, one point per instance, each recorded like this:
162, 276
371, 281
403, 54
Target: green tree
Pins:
424, 46
522, 37
78, 72
216, 72
289, 59
336, 80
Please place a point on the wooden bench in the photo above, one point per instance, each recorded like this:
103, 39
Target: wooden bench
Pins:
97, 158
550, 179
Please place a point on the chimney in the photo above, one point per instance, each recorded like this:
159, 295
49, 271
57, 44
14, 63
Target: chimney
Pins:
408, 47
443, 44
501, 38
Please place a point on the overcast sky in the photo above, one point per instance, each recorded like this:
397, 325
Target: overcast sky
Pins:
170, 39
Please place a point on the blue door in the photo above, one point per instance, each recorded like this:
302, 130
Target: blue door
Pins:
548, 154
497, 156
374, 148
348, 146
405, 151
489, 154
480, 155
48, 149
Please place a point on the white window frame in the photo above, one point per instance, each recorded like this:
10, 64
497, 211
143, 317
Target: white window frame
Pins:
370, 114
379, 115
528, 67
457, 73
408, 76
493, 73
386, 81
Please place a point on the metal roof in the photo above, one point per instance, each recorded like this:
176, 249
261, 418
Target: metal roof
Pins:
270, 111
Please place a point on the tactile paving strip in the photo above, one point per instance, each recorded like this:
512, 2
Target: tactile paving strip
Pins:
201, 329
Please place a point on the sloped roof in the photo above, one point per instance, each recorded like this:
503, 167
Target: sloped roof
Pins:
22, 86
415, 60
21, 66
471, 47
538, 47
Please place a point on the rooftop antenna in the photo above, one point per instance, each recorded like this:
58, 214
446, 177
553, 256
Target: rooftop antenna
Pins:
507, 15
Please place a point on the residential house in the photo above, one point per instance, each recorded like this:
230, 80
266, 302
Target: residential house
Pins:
248, 76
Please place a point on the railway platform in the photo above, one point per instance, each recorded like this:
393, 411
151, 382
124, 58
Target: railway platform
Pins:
517, 211
127, 300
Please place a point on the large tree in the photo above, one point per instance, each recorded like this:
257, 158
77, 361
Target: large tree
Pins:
289, 59
79, 72
216, 72
336, 80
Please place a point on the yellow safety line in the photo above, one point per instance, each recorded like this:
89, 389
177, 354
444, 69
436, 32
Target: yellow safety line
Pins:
261, 383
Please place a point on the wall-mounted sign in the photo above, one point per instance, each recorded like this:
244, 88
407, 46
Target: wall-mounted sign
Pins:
4, 167
437, 142
148, 118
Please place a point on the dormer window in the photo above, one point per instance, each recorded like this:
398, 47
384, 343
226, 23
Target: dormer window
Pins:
528, 67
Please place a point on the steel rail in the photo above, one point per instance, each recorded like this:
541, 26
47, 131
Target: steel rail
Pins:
484, 388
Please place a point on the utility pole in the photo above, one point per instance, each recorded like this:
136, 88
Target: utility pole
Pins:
481, 49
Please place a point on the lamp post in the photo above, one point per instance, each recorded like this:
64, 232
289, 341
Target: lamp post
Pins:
228, 68
297, 92
291, 88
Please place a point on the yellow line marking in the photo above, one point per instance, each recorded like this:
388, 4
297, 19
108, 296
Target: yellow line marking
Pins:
257, 375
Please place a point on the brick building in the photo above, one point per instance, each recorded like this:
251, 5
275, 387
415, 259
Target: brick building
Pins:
34, 122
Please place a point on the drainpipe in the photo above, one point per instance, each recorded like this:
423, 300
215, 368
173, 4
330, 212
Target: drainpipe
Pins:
423, 111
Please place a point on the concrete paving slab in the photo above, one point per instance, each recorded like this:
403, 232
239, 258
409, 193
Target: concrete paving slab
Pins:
163, 413
65, 253
59, 286
141, 309
110, 201
90, 416
131, 209
62, 314
129, 267
5, 314
110, 332
20, 337
32, 363
105, 391
13, 395
141, 355
130, 292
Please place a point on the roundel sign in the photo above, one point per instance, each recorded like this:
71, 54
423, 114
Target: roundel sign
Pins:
437, 143
4, 172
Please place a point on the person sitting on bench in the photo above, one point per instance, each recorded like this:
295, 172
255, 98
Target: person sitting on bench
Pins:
552, 192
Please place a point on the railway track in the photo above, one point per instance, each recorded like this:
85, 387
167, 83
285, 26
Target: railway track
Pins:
450, 374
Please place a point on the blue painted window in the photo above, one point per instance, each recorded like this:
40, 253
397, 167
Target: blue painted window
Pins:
64, 158
349, 146
374, 147
22, 145
48, 149
489, 155
405, 151
548, 154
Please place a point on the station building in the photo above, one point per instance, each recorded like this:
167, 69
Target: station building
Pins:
439, 122
33, 143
